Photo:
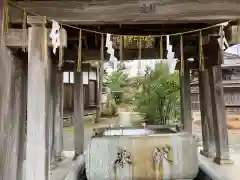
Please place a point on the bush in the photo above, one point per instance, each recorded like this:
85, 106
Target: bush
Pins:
116, 81
110, 108
158, 97
117, 96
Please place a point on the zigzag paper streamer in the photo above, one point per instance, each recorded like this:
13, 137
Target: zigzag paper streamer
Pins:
55, 35
222, 39
171, 61
110, 50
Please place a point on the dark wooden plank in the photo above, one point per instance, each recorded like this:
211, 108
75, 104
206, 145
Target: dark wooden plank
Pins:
22, 128
37, 164
100, 75
15, 38
100, 12
78, 114
58, 115
186, 117
219, 116
206, 115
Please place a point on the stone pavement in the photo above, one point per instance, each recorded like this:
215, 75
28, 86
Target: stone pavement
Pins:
64, 168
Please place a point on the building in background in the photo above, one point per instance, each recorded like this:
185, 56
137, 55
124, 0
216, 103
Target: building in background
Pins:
89, 85
136, 67
231, 81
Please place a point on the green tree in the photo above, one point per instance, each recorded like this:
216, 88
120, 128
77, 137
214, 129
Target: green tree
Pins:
117, 81
158, 96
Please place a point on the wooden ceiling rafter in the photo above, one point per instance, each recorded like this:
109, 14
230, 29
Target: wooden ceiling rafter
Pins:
129, 12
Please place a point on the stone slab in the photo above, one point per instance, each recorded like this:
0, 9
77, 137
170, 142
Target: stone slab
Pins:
221, 172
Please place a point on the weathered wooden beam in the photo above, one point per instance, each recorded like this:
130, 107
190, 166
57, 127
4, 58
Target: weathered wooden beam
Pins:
51, 113
100, 74
206, 115
37, 164
58, 114
233, 34
22, 127
219, 116
16, 38
78, 114
186, 117
100, 12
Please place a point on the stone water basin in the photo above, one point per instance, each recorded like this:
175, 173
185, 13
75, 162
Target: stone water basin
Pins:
134, 153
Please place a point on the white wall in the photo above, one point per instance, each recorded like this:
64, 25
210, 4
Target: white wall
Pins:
92, 76
85, 77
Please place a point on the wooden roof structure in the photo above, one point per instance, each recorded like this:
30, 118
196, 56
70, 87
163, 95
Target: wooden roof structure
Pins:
131, 17
91, 12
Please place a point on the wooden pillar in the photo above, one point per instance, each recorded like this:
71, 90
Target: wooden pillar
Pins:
100, 82
9, 121
206, 115
78, 114
88, 85
37, 104
186, 117
22, 126
51, 113
219, 115
58, 115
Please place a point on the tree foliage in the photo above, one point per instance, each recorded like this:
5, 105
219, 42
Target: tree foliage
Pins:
158, 96
117, 81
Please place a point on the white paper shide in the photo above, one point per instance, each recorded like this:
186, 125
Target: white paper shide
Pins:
222, 39
171, 61
55, 35
110, 51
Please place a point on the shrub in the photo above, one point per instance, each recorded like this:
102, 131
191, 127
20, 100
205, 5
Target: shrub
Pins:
158, 97
116, 81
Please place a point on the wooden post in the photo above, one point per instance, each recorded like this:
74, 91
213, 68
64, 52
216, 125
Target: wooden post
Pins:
37, 104
10, 111
58, 115
11, 143
51, 113
206, 115
78, 114
219, 116
100, 81
22, 128
88, 85
186, 117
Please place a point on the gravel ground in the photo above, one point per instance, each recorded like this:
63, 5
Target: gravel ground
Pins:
233, 136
